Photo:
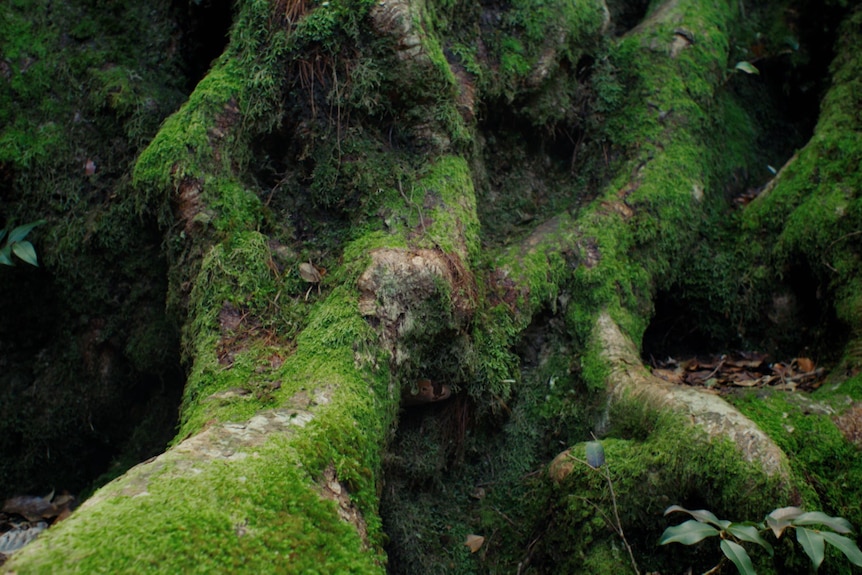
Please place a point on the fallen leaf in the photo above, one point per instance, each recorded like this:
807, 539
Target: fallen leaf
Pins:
804, 364
671, 375
474, 542
30, 508
309, 273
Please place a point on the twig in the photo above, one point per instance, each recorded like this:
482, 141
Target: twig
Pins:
829, 247
616, 526
409, 203
717, 367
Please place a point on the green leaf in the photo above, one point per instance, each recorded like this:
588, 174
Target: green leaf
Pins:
751, 534
844, 544
21, 232
838, 524
595, 454
5, 256
780, 519
687, 533
747, 67
2, 234
737, 554
26, 252
701, 515
813, 544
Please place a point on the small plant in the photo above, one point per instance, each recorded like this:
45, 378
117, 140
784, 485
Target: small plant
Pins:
17, 245
813, 530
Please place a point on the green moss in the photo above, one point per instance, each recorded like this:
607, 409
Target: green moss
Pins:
183, 148
532, 31
815, 446
808, 215
663, 464
454, 226
249, 516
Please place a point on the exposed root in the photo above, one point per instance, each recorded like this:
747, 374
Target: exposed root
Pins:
706, 410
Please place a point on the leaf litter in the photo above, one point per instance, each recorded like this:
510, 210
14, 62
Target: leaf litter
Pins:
740, 370
24, 517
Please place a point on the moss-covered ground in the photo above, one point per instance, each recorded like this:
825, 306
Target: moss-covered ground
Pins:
560, 173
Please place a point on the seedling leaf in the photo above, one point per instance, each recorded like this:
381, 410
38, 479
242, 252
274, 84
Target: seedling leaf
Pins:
737, 554
21, 232
844, 544
747, 67
687, 533
26, 252
751, 534
813, 544
595, 454
701, 515
780, 519
838, 524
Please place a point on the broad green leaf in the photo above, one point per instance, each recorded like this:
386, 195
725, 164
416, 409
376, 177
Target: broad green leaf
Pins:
687, 533
595, 454
749, 533
5, 255
838, 524
736, 553
701, 515
2, 234
747, 67
812, 543
780, 519
21, 232
786, 513
844, 544
26, 252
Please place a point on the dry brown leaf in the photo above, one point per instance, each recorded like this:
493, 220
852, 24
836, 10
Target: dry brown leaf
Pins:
309, 273
671, 375
31, 508
804, 364
474, 542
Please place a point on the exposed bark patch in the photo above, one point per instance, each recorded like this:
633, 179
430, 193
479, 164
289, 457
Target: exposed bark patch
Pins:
229, 318
223, 442
331, 488
400, 282
237, 327
394, 18
590, 254
682, 39
466, 98
224, 123
850, 424
190, 206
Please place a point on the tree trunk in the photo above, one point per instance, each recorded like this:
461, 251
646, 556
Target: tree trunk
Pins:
455, 220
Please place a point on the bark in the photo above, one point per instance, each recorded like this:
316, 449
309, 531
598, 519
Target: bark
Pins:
365, 271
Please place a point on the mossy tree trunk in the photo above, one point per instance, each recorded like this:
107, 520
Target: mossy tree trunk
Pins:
452, 178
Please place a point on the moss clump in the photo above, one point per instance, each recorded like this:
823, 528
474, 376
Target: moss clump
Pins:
660, 465
805, 430
261, 513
